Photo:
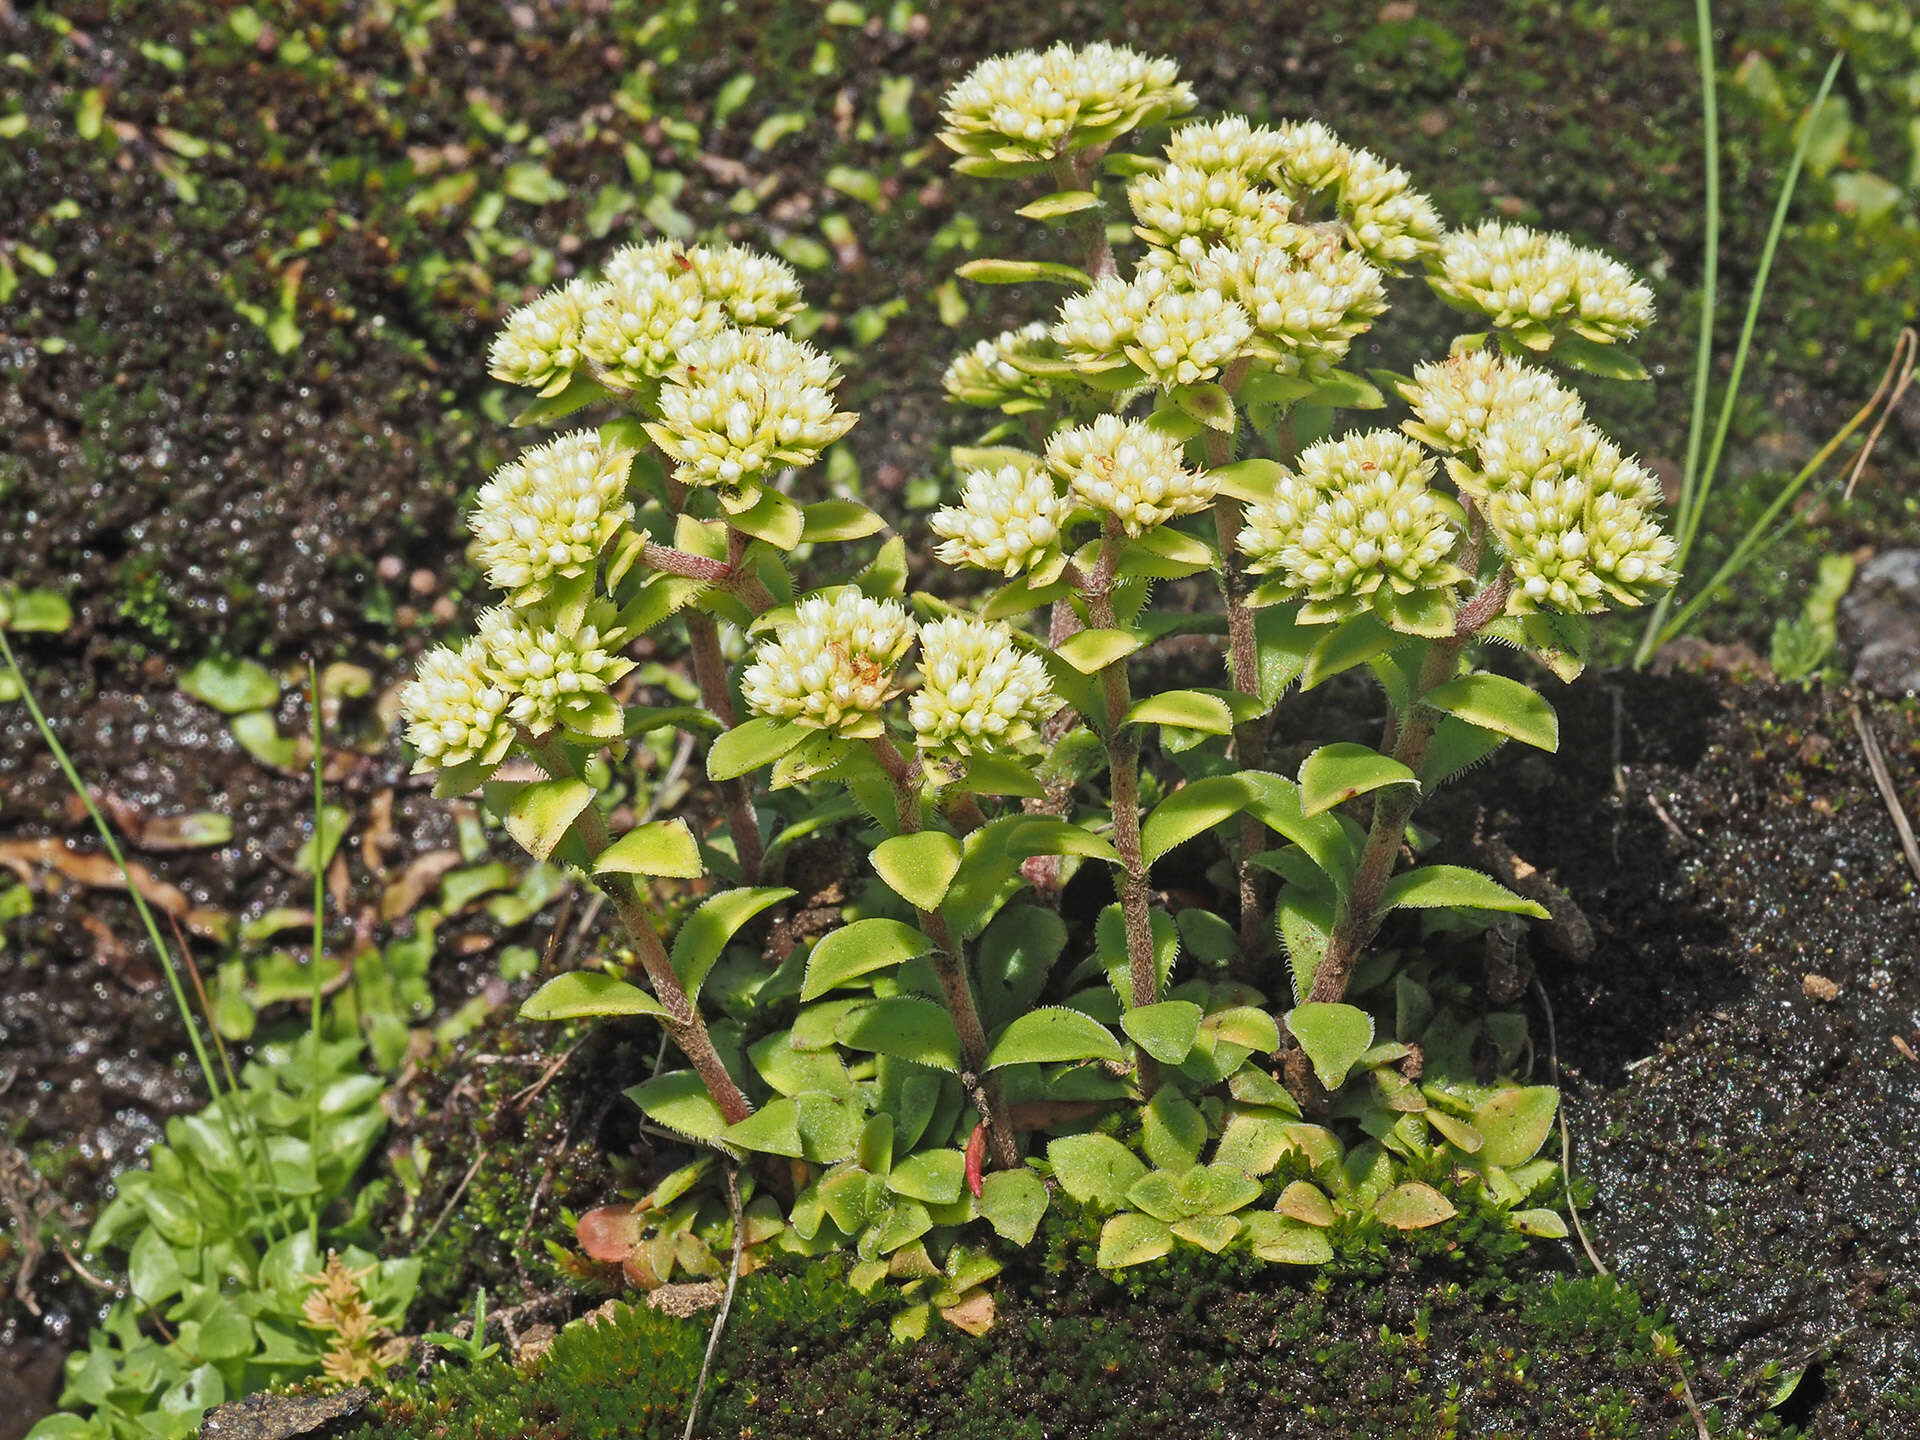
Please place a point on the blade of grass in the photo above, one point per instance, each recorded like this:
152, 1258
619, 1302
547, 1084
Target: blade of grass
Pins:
319, 920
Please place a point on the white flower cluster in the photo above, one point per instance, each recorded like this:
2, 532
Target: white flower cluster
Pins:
1535, 283
989, 375
978, 688
1008, 520
541, 669
1387, 220
1355, 515
1033, 106
1232, 143
1129, 470
1573, 547
1186, 210
1176, 337
1308, 156
1308, 306
1457, 400
550, 513
455, 713
539, 345
743, 402
831, 666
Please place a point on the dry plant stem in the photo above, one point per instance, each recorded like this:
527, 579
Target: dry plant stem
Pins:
710, 673
950, 968
683, 1022
1123, 768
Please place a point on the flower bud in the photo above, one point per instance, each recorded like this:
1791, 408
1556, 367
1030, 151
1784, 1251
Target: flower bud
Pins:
978, 689
1025, 107
1007, 520
1536, 283
1129, 470
831, 666
989, 375
551, 512
540, 668
453, 711
539, 345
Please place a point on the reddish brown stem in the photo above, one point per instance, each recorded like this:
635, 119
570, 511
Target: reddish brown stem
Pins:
710, 672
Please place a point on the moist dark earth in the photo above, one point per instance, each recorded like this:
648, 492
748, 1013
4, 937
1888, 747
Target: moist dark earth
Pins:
1749, 1133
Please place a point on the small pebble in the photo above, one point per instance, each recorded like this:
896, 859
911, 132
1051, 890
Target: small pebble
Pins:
1819, 987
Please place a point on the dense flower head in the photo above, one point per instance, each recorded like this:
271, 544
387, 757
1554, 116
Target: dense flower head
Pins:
539, 345
1129, 470
831, 666
1534, 282
1308, 156
1098, 324
541, 669
1456, 400
978, 688
640, 321
754, 289
1186, 210
454, 712
1355, 514
1027, 106
1387, 220
1186, 336
1576, 549
1232, 142
743, 402
550, 512
1007, 520
989, 375
1309, 305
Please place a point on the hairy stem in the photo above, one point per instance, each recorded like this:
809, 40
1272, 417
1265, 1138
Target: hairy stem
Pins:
710, 672
1075, 172
950, 967
683, 1022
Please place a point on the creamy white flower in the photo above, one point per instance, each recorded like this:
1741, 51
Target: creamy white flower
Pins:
978, 689
753, 289
550, 512
1027, 107
1186, 210
638, 324
652, 257
542, 670
1007, 520
1358, 513
1309, 305
1129, 470
539, 345
453, 711
1098, 324
989, 375
1574, 549
1308, 157
743, 402
831, 666
1185, 337
1456, 400
1231, 143
1387, 220
1535, 283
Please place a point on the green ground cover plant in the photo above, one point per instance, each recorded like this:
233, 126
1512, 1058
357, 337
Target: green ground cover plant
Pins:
1240, 1075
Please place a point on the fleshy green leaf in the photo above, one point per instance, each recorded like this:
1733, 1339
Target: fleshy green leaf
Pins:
1412, 1206
1166, 1031
1012, 1201
860, 949
1059, 204
919, 867
1042, 836
1209, 404
1496, 703
584, 993
1513, 1123
905, 1027
1280, 1240
934, 1176
704, 935
679, 1101
1349, 643
230, 686
1336, 773
1090, 651
1022, 272
1050, 1035
839, 520
1095, 1169
538, 814
1334, 1037
663, 847
1191, 810
1172, 1129
1190, 709
750, 745
773, 1129
1434, 887
1131, 1238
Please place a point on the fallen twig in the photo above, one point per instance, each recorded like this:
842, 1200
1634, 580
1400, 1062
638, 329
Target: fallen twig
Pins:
726, 1300
1883, 781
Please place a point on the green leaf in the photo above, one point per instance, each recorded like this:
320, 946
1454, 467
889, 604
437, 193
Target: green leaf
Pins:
1544, 1223
839, 520
919, 867
1091, 651
583, 993
153, 1270
1255, 1140
1207, 403
1095, 1169
679, 1101
663, 847
1282, 646
1248, 480
1336, 773
1012, 1201
1412, 1206
1496, 703
704, 935
1514, 1123
1334, 1037
1191, 709
773, 1129
1014, 957
1059, 204
1022, 272
905, 1027
1280, 1240
539, 813
1349, 643
860, 949
1455, 746
1041, 836
934, 1176
1131, 1238
1050, 1035
1596, 359
47, 612
1172, 1129
578, 393
1166, 1031
750, 745
1191, 810
229, 686
1435, 887
1343, 390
